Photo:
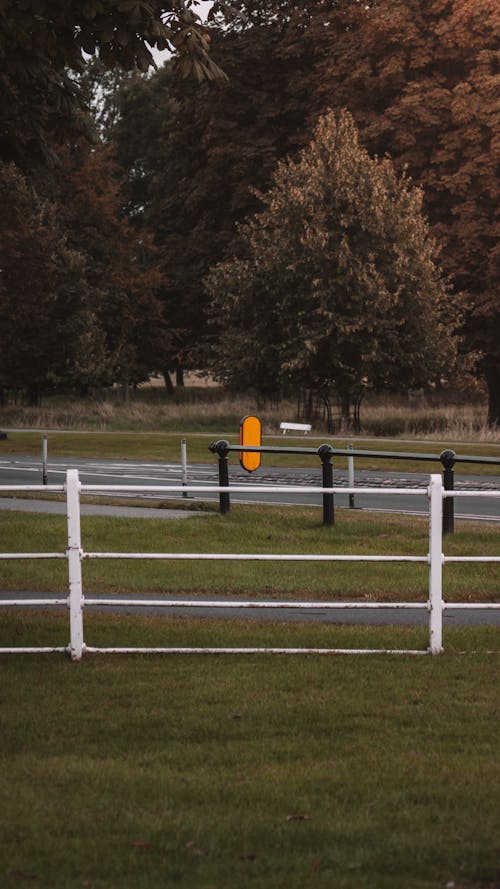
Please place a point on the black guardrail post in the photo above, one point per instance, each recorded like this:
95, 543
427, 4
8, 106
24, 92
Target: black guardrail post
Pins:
44, 460
325, 453
221, 448
448, 458
350, 477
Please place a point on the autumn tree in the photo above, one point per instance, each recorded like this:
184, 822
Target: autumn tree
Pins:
78, 303
48, 330
422, 80
192, 154
337, 282
121, 266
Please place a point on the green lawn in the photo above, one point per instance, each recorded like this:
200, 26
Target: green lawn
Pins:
248, 529
130, 772
167, 447
251, 771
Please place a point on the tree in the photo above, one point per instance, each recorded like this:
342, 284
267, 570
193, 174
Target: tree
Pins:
336, 283
422, 80
43, 41
47, 328
121, 266
192, 153
43, 118
78, 303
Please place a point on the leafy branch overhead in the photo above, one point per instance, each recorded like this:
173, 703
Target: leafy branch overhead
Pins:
44, 42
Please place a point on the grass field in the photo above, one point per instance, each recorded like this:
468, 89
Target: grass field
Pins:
260, 772
249, 772
248, 529
166, 447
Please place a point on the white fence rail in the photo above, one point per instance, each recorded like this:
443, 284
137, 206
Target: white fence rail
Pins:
75, 555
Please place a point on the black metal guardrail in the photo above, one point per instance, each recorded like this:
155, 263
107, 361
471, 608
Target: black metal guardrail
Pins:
326, 453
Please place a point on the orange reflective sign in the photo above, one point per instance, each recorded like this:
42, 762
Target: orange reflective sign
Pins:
251, 437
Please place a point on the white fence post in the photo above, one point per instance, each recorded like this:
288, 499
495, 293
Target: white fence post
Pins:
74, 553
436, 565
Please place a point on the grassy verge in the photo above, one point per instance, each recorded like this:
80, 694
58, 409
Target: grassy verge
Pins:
250, 529
252, 772
166, 447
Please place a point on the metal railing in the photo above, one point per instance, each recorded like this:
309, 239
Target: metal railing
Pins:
75, 555
448, 458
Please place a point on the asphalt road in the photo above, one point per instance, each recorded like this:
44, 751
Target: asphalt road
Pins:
27, 470
363, 616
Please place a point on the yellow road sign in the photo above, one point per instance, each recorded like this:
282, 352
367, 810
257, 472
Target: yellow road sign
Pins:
250, 436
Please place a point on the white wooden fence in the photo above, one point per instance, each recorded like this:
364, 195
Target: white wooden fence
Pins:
75, 554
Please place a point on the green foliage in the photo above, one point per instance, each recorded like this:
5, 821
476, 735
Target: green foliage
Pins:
337, 283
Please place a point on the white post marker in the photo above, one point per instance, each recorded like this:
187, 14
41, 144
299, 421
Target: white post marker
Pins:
184, 464
436, 565
74, 553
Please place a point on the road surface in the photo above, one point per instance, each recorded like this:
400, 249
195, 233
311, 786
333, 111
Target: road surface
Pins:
452, 617
27, 470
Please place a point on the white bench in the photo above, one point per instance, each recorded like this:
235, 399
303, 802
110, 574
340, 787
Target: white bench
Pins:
295, 427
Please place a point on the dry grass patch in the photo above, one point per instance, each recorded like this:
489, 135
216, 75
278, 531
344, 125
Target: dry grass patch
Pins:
199, 408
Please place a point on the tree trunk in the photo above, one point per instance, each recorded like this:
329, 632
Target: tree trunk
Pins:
345, 412
179, 376
34, 395
168, 383
492, 375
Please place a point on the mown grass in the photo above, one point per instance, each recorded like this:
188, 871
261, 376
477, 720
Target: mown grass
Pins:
166, 447
248, 529
256, 772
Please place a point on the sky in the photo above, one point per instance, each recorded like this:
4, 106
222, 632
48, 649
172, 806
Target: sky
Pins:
201, 9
